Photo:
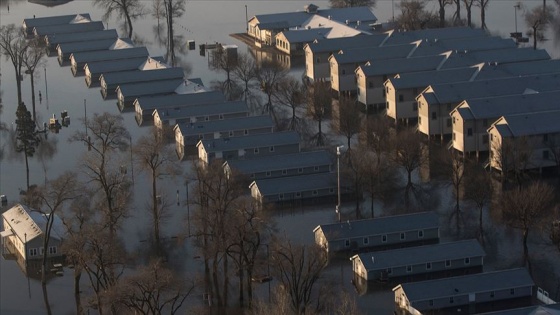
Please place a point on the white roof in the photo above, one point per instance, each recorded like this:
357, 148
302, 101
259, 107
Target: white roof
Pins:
337, 29
28, 223
80, 19
121, 44
189, 87
151, 64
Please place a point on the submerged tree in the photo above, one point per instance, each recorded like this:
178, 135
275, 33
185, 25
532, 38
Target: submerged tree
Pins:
479, 190
13, 46
352, 3
319, 104
245, 71
26, 135
225, 61
270, 74
483, 5
33, 58
128, 10
291, 94
347, 119
538, 20
414, 15
468, 6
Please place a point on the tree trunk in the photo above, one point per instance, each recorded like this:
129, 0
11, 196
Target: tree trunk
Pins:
77, 297
469, 17
155, 211
480, 227
26, 166
525, 248
215, 280
441, 16
458, 13
17, 69
483, 15
129, 22
534, 38
241, 278
226, 279
170, 35
371, 197
33, 96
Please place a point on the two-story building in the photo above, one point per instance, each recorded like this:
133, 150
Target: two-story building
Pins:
470, 294
87, 26
199, 112
79, 60
533, 135
65, 50
110, 81
379, 233
188, 134
248, 146
93, 70
472, 118
30, 23
53, 40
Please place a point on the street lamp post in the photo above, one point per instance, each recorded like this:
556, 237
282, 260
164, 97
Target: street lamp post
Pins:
188, 209
515, 7
338, 179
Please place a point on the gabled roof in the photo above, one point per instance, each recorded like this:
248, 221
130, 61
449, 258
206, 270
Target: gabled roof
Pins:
529, 124
421, 254
115, 78
293, 184
164, 86
551, 309
394, 66
68, 28
429, 47
281, 162
250, 141
205, 127
474, 283
91, 45
523, 68
30, 23
106, 55
202, 108
106, 66
28, 223
358, 55
55, 39
456, 92
338, 28
305, 35
176, 101
498, 56
425, 78
335, 44
406, 37
494, 107
379, 226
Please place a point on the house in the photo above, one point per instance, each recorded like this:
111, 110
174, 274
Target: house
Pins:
402, 90
110, 81
550, 309
64, 50
472, 117
438, 100
459, 59
535, 137
187, 134
343, 64
434, 46
146, 106
381, 233
53, 40
128, 92
402, 36
293, 164
41, 31
93, 70
30, 23
434, 260
248, 146
79, 60
321, 188
371, 76
318, 52
496, 290
264, 27
23, 233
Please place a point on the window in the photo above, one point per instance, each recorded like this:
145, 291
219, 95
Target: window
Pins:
431, 302
252, 175
545, 137
343, 71
315, 193
366, 240
284, 172
52, 250
403, 236
221, 117
415, 106
451, 300
256, 150
384, 238
298, 194
467, 261
316, 168
545, 155
318, 60
419, 120
386, 89
370, 84
271, 149
434, 115
409, 268
207, 118
492, 294
469, 132
420, 233
401, 98
281, 197
231, 133
268, 174
485, 139
512, 291
447, 263
347, 243
389, 271
454, 136
428, 266
331, 190
33, 252
448, 122
246, 132
300, 170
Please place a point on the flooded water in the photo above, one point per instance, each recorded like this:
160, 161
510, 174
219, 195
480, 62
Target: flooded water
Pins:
204, 22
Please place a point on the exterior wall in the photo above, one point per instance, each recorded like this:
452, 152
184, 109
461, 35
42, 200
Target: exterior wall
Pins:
291, 172
271, 150
334, 74
194, 119
33, 250
458, 135
309, 194
283, 44
317, 66
393, 240
347, 78
441, 124
474, 133
371, 91
405, 103
17, 245
320, 239
192, 140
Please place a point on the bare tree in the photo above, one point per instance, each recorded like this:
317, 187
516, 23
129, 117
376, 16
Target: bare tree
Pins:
457, 14
352, 3
538, 20
347, 120
298, 268
33, 58
380, 179
155, 156
478, 189
291, 94
468, 7
319, 102
152, 289
52, 198
13, 46
442, 4
270, 74
377, 135
173, 9
245, 71
409, 155
453, 164
125, 9
225, 61
513, 155
483, 5
414, 15
526, 208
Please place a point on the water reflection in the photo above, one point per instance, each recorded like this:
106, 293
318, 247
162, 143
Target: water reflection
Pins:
49, 3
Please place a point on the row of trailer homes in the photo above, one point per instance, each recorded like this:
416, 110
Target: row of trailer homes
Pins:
428, 275
204, 124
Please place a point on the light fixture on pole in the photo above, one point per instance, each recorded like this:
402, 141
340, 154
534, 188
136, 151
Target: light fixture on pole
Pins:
338, 179
515, 7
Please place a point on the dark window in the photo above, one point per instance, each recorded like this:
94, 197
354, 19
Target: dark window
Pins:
256, 151
434, 115
469, 132
428, 266
281, 196
298, 194
284, 172
420, 233
300, 170
318, 60
431, 302
467, 261
271, 149
492, 294
315, 193
366, 240
409, 268
268, 174
347, 243
451, 300
343, 71
512, 291
384, 238
403, 236
401, 98
485, 139
316, 168
370, 84
389, 271
419, 120
447, 263
448, 122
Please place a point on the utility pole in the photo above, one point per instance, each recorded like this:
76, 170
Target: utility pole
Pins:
338, 179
